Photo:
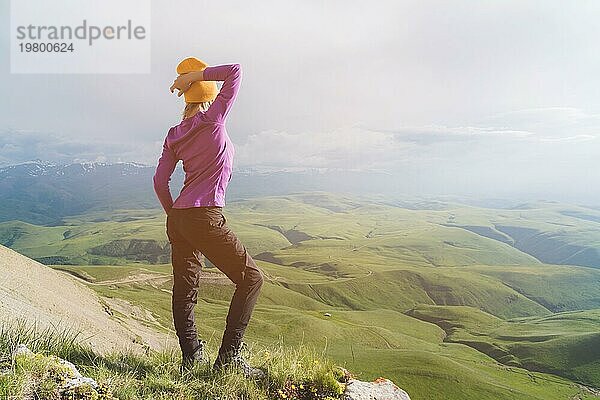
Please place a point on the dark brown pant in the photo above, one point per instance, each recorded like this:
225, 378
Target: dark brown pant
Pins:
195, 233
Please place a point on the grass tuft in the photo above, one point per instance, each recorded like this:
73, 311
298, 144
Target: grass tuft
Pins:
292, 373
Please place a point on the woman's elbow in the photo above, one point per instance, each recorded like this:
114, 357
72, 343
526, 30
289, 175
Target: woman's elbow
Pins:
236, 69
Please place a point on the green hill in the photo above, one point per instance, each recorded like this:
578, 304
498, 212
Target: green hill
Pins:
370, 343
566, 344
367, 265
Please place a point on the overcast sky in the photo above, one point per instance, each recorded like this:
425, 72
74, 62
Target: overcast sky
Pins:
496, 98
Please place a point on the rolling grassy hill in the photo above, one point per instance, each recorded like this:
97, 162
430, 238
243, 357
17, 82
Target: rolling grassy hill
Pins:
391, 277
370, 343
565, 343
336, 226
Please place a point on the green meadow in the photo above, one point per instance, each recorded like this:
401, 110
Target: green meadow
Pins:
450, 301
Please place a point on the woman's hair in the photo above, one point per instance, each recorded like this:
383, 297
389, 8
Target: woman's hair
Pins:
191, 108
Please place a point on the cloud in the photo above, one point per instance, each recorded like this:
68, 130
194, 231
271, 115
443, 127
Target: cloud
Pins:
515, 135
546, 114
19, 146
349, 148
550, 124
432, 134
576, 138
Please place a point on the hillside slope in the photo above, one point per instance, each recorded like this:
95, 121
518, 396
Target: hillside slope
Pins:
39, 294
565, 344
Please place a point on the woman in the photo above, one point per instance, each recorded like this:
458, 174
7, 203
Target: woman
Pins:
196, 226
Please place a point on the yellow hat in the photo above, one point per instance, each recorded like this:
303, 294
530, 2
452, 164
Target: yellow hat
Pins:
200, 91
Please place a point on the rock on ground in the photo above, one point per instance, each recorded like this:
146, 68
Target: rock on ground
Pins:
72, 380
380, 389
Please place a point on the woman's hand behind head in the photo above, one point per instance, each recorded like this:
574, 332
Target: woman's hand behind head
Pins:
181, 83
184, 81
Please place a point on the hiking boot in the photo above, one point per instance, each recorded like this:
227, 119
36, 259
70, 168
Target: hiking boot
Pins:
232, 358
195, 358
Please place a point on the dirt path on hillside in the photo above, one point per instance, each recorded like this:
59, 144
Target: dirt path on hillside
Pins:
209, 277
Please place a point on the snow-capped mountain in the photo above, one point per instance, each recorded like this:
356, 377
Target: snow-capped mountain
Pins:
43, 192
41, 168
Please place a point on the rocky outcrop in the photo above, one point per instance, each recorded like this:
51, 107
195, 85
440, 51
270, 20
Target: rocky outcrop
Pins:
68, 381
63, 380
379, 389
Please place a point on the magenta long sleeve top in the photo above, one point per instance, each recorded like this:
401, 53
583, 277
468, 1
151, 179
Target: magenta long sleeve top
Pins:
204, 146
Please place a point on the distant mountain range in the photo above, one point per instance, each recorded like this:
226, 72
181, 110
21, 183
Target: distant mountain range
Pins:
42, 192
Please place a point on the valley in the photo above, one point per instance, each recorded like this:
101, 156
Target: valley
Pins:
446, 299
